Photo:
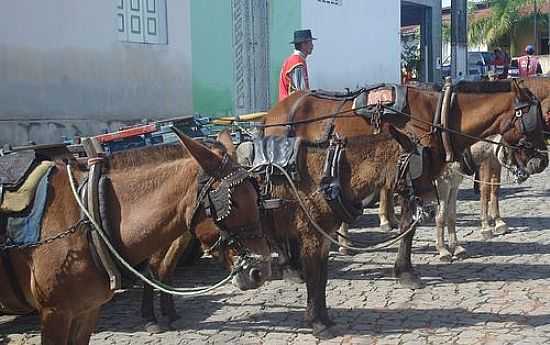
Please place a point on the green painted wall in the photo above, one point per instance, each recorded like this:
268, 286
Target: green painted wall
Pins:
212, 56
285, 16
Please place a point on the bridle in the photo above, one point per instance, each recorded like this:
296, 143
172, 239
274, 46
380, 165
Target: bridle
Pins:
217, 204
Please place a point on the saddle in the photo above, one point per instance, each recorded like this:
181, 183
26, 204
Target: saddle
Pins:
285, 152
366, 102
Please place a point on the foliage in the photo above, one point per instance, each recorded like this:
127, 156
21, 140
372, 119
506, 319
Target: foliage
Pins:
504, 17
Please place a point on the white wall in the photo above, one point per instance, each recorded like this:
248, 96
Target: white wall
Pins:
64, 71
358, 42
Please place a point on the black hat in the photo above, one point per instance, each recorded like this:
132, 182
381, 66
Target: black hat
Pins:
302, 36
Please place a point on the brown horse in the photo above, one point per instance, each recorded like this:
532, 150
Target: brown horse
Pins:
153, 200
540, 87
480, 110
163, 263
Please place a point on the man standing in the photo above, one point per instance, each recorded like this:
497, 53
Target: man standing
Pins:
528, 64
294, 75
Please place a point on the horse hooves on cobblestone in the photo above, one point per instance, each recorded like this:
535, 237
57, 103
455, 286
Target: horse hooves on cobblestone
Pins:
323, 331
487, 234
152, 327
500, 229
411, 281
345, 251
460, 253
386, 227
447, 257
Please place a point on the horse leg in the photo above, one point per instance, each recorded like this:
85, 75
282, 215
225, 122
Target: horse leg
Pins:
501, 227
56, 326
403, 269
82, 327
166, 272
486, 229
344, 241
455, 247
315, 264
293, 271
386, 210
148, 306
441, 219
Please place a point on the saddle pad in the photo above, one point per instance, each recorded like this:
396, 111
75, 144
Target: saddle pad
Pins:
19, 200
282, 151
14, 167
365, 103
245, 154
25, 229
384, 96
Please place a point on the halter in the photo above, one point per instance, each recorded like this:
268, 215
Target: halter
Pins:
217, 204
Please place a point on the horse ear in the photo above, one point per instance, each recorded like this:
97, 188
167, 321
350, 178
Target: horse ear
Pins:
208, 160
225, 138
403, 139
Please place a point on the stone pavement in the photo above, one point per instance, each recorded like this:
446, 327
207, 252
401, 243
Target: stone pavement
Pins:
500, 294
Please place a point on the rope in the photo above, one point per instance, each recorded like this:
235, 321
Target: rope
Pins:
513, 147
151, 282
335, 114
508, 183
377, 247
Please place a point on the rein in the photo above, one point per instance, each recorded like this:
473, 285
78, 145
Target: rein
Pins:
373, 248
151, 282
334, 115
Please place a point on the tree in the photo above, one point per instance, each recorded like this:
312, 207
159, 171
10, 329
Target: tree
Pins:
504, 17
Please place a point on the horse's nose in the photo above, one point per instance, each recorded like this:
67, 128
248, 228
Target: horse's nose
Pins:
537, 165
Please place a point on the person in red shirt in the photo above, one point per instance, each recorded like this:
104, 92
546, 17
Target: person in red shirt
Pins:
528, 64
501, 64
294, 74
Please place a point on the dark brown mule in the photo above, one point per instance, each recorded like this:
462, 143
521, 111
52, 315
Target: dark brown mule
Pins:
163, 263
481, 110
154, 195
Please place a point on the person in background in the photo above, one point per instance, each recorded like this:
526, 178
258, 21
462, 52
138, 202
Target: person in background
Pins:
528, 64
501, 64
294, 74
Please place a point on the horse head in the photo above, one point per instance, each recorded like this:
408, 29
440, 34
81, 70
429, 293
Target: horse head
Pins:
525, 131
226, 218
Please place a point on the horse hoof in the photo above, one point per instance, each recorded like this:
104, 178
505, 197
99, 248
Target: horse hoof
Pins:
152, 327
292, 276
322, 331
460, 252
386, 227
410, 281
487, 234
500, 229
445, 258
344, 251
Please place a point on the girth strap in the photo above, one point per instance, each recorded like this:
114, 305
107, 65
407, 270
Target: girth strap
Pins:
95, 154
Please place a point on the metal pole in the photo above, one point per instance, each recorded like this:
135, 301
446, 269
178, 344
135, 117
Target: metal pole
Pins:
459, 41
535, 31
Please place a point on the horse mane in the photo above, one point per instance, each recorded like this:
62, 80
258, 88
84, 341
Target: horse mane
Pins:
154, 154
425, 86
465, 86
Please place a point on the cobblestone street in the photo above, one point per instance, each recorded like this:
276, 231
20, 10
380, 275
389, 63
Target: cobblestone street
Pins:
499, 294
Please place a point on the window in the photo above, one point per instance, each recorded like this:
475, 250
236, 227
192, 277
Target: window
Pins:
332, 2
141, 21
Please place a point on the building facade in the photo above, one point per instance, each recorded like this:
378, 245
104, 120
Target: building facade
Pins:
79, 67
